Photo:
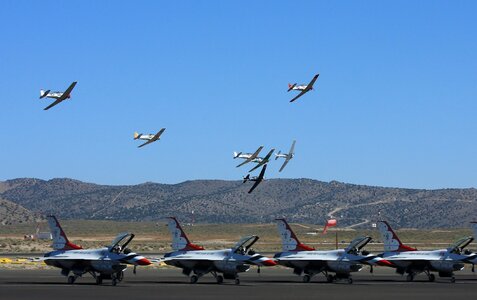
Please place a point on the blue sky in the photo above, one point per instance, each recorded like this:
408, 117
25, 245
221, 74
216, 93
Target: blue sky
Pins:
394, 105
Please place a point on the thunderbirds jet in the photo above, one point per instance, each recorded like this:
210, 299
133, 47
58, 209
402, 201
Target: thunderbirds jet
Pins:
104, 263
58, 96
148, 137
247, 156
302, 88
195, 259
305, 259
257, 179
288, 156
412, 262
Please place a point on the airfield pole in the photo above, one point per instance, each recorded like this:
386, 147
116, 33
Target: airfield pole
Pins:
336, 239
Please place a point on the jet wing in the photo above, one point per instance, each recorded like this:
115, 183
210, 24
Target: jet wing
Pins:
158, 135
265, 160
259, 179
148, 142
68, 91
252, 157
53, 104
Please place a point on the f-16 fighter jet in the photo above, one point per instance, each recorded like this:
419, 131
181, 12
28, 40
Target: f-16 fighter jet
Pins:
302, 87
148, 137
257, 179
104, 263
288, 156
198, 261
58, 96
247, 156
410, 261
307, 260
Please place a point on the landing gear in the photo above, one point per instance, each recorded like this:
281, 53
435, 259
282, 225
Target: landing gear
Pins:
71, 279
410, 277
306, 278
237, 281
117, 277
219, 279
194, 278
329, 278
453, 279
99, 279
432, 277
350, 280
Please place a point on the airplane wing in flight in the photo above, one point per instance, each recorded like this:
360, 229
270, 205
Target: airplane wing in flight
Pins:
68, 91
299, 95
259, 179
53, 104
307, 89
252, 157
264, 161
158, 135
292, 148
284, 164
312, 82
148, 142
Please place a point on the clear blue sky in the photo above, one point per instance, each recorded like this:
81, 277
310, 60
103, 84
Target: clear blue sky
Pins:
395, 104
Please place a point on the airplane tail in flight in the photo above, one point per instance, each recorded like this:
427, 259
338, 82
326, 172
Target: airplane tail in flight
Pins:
277, 155
237, 154
246, 178
43, 93
290, 241
391, 240
180, 242
291, 86
60, 241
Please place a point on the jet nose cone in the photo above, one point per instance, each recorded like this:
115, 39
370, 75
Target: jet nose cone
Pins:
269, 263
143, 262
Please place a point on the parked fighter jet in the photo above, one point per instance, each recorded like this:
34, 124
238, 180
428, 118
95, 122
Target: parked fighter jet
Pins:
305, 259
412, 262
261, 161
195, 259
288, 156
104, 263
257, 179
247, 156
58, 96
148, 137
302, 88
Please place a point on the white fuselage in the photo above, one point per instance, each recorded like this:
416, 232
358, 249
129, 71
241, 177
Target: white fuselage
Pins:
224, 261
55, 95
146, 137
436, 260
318, 261
299, 87
100, 260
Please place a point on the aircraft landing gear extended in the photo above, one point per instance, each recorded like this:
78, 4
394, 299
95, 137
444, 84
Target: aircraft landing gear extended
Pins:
194, 278
410, 277
453, 279
306, 278
71, 279
431, 277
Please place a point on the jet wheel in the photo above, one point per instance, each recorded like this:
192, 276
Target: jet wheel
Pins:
237, 281
410, 277
220, 279
432, 277
114, 282
350, 280
71, 279
306, 278
329, 278
194, 278
453, 279
99, 279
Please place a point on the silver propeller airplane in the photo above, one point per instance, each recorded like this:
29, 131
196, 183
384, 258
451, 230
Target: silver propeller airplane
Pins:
411, 261
305, 259
104, 263
257, 180
302, 87
148, 137
247, 156
195, 259
262, 161
288, 156
58, 96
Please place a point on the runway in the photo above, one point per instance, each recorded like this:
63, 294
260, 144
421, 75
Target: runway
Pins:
273, 283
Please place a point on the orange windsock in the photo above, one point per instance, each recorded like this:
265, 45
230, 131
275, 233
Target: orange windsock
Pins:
329, 223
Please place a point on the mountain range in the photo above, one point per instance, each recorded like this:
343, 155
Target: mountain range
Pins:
219, 201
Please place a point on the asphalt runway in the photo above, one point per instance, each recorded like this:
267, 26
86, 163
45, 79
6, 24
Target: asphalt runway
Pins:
272, 283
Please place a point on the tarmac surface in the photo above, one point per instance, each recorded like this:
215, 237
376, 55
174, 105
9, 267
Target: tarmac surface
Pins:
272, 283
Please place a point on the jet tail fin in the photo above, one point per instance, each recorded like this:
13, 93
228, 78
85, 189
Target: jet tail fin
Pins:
290, 241
60, 240
180, 241
291, 86
391, 240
